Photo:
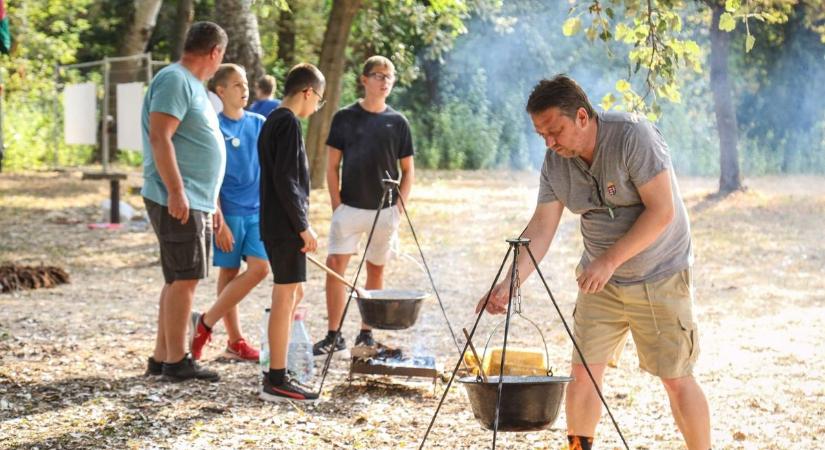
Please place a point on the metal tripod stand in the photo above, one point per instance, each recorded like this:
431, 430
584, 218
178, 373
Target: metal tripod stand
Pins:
514, 248
390, 186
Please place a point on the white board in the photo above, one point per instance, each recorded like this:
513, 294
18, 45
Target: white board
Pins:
80, 114
129, 106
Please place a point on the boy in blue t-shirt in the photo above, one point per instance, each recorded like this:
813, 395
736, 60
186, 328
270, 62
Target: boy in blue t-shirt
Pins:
240, 204
264, 92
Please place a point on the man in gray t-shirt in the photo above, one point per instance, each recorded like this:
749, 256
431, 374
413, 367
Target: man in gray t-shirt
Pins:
613, 169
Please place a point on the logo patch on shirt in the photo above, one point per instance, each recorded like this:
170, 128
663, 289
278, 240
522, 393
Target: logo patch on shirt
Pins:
611, 189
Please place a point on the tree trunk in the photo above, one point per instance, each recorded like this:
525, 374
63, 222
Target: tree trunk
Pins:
244, 48
286, 36
184, 19
729, 178
134, 42
140, 30
333, 51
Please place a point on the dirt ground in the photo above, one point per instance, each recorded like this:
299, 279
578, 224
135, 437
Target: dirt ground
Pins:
72, 357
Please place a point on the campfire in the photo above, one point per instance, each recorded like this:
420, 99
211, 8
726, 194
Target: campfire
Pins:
392, 362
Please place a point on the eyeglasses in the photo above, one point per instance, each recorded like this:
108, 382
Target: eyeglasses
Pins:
321, 100
378, 76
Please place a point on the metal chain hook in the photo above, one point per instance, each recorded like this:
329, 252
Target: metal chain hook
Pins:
517, 298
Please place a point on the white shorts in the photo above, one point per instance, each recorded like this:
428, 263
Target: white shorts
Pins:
350, 224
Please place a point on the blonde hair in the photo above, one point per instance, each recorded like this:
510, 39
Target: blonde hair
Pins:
221, 77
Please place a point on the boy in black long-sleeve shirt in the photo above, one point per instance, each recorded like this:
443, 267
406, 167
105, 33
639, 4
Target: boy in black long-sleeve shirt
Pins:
285, 227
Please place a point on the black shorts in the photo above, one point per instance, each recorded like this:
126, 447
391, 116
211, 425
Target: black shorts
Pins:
184, 247
288, 263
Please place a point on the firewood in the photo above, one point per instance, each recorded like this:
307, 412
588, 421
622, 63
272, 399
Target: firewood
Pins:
14, 277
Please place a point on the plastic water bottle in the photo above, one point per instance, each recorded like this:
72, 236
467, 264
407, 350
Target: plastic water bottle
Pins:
300, 361
263, 355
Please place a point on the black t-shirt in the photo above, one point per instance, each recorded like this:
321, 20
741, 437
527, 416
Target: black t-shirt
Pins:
371, 143
284, 177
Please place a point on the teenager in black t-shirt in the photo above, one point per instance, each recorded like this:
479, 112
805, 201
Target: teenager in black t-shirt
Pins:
366, 139
285, 227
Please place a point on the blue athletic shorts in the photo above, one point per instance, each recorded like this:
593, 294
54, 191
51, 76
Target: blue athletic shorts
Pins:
247, 234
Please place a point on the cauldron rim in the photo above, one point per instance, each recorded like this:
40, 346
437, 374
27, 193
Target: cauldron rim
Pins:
520, 380
400, 295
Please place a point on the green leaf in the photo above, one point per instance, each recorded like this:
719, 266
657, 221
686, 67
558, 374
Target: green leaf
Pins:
571, 26
749, 41
607, 102
727, 22
622, 85
732, 5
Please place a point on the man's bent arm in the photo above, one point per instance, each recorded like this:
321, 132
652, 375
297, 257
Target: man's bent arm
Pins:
657, 197
161, 129
540, 230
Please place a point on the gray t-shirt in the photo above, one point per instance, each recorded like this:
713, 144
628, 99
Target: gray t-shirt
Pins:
630, 151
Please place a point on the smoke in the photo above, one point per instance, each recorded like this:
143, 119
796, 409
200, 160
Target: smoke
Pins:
511, 53
493, 67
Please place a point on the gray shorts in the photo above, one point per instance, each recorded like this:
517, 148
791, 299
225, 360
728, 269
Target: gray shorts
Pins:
184, 248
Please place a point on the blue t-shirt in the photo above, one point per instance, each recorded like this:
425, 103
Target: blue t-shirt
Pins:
199, 147
265, 106
240, 192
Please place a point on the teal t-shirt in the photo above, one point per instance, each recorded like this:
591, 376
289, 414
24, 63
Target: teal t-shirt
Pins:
199, 145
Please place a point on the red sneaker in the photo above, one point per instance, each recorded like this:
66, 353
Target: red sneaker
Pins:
200, 337
241, 350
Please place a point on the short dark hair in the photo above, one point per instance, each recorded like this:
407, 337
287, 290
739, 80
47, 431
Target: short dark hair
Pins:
377, 60
267, 84
559, 92
303, 76
202, 37
221, 77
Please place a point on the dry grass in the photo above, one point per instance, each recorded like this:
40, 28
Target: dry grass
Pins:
71, 358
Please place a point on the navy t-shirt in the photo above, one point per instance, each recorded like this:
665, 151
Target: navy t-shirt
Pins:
371, 143
240, 191
284, 177
265, 106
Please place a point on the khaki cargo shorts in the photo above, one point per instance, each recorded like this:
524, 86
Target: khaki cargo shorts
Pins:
659, 316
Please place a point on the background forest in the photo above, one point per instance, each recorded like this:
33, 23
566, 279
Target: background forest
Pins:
466, 68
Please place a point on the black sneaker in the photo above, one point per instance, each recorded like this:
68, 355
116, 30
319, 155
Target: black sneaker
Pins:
153, 368
289, 389
324, 346
187, 369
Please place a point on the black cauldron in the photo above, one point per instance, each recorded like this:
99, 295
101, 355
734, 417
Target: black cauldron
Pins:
528, 403
391, 309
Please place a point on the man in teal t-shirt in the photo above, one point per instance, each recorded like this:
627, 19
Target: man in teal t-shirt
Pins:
184, 158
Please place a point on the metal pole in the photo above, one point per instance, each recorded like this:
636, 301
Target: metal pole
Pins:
56, 106
148, 68
384, 196
114, 201
104, 134
466, 344
578, 349
2, 143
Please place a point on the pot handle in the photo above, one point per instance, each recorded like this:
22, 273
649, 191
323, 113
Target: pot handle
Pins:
415, 262
543, 340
